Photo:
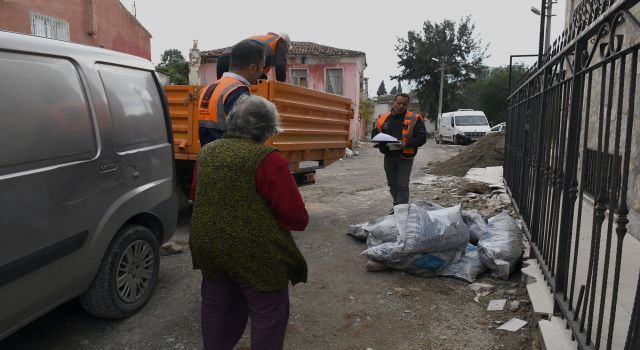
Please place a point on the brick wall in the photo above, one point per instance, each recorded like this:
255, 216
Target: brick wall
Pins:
104, 23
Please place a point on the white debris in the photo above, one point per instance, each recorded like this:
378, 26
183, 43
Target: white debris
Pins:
513, 325
481, 287
497, 305
514, 306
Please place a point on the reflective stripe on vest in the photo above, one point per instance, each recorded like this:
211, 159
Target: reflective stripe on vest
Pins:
409, 123
269, 41
211, 107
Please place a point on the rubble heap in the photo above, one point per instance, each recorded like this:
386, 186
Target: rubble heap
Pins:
486, 152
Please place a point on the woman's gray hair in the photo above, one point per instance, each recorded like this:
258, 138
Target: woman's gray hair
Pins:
253, 117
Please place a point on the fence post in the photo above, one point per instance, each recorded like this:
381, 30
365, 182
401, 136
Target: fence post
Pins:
570, 188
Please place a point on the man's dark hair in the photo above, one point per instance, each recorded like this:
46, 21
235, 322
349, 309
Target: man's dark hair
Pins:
246, 53
402, 95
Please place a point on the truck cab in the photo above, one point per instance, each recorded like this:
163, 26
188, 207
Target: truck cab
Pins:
463, 126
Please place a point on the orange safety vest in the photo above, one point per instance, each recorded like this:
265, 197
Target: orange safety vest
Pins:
410, 121
211, 103
269, 41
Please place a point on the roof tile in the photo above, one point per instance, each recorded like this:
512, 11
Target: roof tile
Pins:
300, 48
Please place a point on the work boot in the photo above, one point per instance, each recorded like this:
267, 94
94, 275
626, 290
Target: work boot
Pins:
374, 266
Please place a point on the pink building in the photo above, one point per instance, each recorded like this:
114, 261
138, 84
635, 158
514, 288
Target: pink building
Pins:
104, 23
318, 67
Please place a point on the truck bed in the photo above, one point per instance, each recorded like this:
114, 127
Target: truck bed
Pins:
314, 124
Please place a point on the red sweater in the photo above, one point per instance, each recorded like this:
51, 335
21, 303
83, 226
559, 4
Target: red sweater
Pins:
275, 183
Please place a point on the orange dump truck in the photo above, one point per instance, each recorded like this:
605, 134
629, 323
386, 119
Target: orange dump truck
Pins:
314, 127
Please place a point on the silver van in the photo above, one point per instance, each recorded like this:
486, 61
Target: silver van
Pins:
87, 190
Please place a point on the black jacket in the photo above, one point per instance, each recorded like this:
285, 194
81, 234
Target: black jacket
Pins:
395, 123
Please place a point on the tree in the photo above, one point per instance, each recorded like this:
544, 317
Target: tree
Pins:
394, 90
173, 64
365, 111
381, 89
488, 93
453, 44
399, 90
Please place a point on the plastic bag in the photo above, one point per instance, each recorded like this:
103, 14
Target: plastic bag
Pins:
501, 246
383, 231
468, 268
382, 228
475, 223
426, 264
385, 252
434, 230
357, 231
419, 264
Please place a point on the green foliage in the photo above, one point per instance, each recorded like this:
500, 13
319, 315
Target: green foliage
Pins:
366, 110
381, 89
455, 45
175, 66
399, 90
488, 93
394, 90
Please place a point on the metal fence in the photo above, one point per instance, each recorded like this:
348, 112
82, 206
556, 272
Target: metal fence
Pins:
571, 133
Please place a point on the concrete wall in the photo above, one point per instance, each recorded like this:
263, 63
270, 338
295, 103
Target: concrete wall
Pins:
631, 38
104, 23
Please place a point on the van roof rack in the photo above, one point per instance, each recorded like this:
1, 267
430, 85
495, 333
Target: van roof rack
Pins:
465, 110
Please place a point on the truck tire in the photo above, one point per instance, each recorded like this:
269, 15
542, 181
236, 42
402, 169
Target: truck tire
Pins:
455, 140
127, 276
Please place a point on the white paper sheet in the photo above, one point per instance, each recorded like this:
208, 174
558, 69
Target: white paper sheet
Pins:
382, 137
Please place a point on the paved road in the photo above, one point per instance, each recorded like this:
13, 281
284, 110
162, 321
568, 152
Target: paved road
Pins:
341, 307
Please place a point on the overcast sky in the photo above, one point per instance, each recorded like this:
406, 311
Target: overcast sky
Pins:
508, 26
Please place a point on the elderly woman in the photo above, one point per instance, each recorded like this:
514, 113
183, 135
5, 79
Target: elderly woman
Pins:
246, 204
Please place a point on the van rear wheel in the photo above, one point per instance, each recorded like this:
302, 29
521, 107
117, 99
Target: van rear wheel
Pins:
128, 274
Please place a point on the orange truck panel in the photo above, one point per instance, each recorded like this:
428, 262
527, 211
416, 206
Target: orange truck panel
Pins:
183, 110
314, 124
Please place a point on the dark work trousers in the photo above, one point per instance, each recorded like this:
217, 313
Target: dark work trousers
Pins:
226, 306
398, 172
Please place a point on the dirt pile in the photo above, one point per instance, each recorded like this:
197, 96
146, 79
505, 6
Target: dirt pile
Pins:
486, 152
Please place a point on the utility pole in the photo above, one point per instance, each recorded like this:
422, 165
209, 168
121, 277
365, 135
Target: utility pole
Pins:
547, 38
541, 13
441, 90
545, 12
441, 86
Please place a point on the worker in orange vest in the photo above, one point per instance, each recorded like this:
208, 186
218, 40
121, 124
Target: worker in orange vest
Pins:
409, 129
217, 100
276, 47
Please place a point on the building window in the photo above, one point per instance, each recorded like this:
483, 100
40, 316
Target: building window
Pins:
49, 27
299, 77
333, 81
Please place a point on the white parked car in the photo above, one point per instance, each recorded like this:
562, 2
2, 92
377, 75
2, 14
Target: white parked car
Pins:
463, 126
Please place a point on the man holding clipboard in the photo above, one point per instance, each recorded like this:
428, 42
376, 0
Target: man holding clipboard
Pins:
398, 134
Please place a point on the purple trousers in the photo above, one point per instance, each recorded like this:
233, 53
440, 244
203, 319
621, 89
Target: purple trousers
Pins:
226, 306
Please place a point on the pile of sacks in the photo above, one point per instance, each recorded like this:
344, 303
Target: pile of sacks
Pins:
427, 240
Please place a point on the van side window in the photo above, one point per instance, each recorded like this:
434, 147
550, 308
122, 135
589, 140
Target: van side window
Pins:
44, 118
136, 107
